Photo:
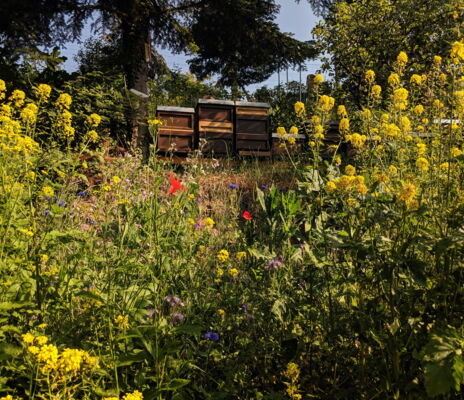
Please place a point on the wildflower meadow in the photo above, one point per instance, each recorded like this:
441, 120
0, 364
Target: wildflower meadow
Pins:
333, 271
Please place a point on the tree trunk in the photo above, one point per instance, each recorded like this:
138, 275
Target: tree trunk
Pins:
136, 45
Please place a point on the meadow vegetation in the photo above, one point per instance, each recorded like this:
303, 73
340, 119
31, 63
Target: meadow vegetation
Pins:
336, 273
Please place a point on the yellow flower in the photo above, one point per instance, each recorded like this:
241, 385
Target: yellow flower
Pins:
2, 88
422, 164
234, 272
390, 130
27, 232
416, 79
376, 91
91, 136
393, 170
84, 165
369, 76
116, 179
293, 130
384, 118
219, 272
344, 125
444, 167
300, 109
456, 152
48, 191
221, 313
318, 79
122, 321
437, 60
326, 103
350, 202
41, 340
315, 119
350, 170
208, 223
443, 78
405, 124
222, 255
93, 120
28, 338
400, 98
341, 112
421, 148
241, 255
136, 395
5, 109
437, 104
17, 97
64, 101
356, 140
155, 122
33, 350
394, 79
457, 50
362, 189
407, 192
402, 58
281, 131
43, 92
418, 110
331, 186
48, 355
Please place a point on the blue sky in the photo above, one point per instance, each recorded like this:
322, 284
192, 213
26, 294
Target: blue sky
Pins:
294, 18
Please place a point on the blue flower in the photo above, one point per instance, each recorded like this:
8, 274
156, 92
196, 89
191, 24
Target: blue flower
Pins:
233, 186
82, 194
213, 336
264, 187
47, 213
61, 203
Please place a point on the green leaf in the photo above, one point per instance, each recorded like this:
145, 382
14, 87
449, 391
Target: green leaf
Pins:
175, 384
8, 351
438, 379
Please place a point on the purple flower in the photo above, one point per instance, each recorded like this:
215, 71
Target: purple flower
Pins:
61, 203
92, 223
197, 226
82, 194
233, 186
198, 200
213, 336
173, 301
47, 213
245, 307
177, 318
264, 187
275, 264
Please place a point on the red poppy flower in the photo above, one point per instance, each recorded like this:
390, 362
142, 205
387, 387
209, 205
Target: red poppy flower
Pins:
175, 185
247, 215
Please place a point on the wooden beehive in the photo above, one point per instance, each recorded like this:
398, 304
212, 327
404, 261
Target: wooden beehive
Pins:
177, 133
252, 136
215, 119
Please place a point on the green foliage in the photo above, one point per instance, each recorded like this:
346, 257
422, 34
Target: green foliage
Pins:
362, 35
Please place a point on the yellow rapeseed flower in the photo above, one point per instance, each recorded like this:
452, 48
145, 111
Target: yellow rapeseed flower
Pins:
341, 111
422, 164
92, 136
64, 101
293, 130
27, 338
208, 223
350, 170
326, 103
136, 395
93, 120
376, 91
300, 109
281, 131
344, 125
222, 255
43, 92
48, 191
234, 272
418, 110
318, 79
122, 321
394, 79
402, 58
416, 79
457, 50
369, 76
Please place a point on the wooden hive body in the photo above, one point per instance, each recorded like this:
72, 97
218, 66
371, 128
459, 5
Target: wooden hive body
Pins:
252, 136
177, 133
215, 124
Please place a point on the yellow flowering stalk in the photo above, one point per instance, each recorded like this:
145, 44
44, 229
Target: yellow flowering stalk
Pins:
376, 91
42, 92
369, 76
222, 255
394, 79
300, 109
326, 103
93, 120
318, 79
122, 321
64, 101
